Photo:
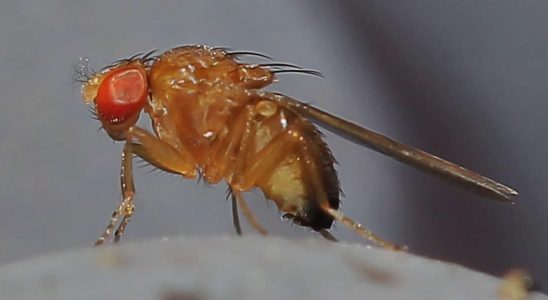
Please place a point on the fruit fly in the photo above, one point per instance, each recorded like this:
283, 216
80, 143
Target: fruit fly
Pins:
211, 117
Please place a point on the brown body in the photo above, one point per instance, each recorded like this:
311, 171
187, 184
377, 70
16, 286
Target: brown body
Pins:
210, 115
200, 102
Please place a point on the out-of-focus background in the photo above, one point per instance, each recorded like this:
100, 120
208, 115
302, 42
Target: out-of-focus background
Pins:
464, 80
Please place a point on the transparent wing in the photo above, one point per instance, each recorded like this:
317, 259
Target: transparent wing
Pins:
406, 154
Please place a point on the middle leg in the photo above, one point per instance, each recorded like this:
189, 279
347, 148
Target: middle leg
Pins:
235, 215
228, 158
247, 213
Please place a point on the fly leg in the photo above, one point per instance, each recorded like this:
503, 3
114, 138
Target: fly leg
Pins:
266, 160
159, 154
261, 164
122, 227
327, 235
247, 213
126, 207
236, 143
235, 218
312, 174
360, 229
226, 149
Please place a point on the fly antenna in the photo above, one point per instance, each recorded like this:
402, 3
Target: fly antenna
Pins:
81, 70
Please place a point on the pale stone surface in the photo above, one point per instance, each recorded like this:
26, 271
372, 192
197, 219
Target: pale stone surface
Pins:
241, 268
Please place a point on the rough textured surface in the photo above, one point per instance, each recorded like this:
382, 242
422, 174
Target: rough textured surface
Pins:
242, 268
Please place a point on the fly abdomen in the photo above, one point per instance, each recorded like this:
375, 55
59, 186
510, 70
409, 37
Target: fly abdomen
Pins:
303, 178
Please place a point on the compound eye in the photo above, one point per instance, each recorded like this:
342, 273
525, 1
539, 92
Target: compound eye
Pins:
122, 94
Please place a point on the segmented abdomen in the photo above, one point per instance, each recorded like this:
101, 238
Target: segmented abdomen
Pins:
291, 184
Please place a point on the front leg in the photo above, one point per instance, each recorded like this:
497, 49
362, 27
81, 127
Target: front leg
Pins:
126, 207
159, 154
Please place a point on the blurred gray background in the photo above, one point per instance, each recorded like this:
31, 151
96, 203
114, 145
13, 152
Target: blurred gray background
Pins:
465, 80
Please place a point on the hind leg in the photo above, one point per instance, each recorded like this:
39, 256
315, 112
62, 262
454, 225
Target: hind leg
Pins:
327, 235
360, 229
316, 182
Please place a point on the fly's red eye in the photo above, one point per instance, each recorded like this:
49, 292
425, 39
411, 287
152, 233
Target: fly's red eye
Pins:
122, 94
